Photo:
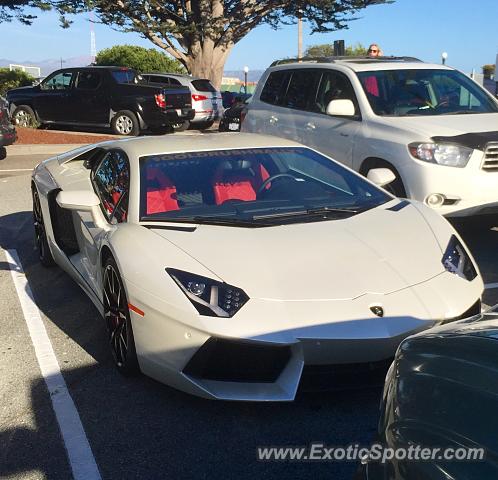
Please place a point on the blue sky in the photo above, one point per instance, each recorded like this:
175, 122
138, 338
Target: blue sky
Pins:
423, 28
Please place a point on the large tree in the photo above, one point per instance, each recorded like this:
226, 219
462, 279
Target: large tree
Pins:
327, 50
201, 33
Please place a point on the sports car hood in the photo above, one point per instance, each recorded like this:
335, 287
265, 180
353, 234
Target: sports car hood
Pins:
378, 251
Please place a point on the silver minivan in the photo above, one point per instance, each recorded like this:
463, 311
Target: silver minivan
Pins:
206, 100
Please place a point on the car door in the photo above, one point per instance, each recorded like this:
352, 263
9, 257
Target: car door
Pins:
53, 102
333, 135
111, 182
90, 98
293, 122
265, 112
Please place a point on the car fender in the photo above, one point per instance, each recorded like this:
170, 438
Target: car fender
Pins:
142, 257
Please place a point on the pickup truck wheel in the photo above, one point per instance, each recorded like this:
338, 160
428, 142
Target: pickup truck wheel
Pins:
181, 126
125, 123
24, 116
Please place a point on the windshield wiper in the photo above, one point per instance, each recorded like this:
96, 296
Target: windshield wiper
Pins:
208, 220
309, 211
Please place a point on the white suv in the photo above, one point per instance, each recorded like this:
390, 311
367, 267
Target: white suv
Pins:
432, 126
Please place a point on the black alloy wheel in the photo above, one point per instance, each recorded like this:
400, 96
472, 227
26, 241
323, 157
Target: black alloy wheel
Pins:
118, 321
41, 241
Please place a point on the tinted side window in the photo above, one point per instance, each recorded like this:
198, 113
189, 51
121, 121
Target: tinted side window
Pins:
159, 79
60, 81
275, 87
302, 88
88, 80
174, 81
111, 181
334, 86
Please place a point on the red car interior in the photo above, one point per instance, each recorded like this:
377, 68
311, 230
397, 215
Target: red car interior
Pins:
238, 181
161, 192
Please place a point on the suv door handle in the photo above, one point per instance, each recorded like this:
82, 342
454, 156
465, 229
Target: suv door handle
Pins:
310, 126
273, 120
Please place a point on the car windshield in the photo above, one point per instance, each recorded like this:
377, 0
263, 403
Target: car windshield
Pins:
252, 187
402, 93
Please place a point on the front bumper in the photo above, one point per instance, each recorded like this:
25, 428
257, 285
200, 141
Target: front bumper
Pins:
469, 191
260, 353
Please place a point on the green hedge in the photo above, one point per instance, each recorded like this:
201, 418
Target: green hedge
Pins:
12, 79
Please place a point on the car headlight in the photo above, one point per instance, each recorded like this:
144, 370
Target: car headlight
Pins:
442, 154
456, 260
208, 296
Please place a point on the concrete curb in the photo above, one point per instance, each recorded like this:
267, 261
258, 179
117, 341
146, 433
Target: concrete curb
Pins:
41, 149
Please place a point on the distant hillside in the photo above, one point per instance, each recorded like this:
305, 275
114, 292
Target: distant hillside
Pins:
49, 65
252, 76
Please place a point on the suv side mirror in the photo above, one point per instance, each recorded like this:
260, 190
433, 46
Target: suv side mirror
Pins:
341, 108
381, 176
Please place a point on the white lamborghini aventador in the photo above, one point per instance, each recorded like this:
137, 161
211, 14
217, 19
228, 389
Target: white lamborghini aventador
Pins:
225, 264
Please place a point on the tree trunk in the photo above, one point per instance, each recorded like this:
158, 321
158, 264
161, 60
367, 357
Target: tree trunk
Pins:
208, 62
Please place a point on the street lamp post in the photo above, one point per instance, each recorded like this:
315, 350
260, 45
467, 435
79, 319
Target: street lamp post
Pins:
246, 71
444, 56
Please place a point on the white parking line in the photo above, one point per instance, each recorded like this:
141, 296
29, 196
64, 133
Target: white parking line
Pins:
78, 449
17, 170
489, 286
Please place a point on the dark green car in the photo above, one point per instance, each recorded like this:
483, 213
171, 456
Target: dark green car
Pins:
441, 393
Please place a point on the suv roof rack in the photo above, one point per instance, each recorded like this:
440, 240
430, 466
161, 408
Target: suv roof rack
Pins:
352, 59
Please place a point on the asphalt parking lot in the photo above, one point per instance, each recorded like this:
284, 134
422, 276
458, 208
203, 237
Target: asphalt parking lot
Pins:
138, 428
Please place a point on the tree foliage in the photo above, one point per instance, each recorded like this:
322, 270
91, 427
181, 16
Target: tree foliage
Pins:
141, 59
13, 79
201, 33
327, 50
488, 70
11, 10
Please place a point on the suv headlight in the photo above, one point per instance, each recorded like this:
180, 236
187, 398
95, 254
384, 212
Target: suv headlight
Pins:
208, 296
442, 154
456, 260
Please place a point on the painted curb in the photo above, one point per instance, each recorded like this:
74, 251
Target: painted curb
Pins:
41, 149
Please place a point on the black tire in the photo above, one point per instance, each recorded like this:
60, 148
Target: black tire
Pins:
396, 187
24, 116
3, 153
201, 125
125, 122
118, 322
41, 242
181, 126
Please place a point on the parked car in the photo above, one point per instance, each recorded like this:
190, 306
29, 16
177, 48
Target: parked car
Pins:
232, 117
7, 131
100, 96
432, 126
442, 392
224, 264
229, 98
206, 100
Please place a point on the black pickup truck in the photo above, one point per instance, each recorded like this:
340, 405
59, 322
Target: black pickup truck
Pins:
100, 96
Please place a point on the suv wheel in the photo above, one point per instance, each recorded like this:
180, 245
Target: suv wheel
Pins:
202, 125
125, 123
181, 126
24, 116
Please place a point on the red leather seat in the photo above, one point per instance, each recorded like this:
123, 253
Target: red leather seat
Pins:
161, 192
232, 183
